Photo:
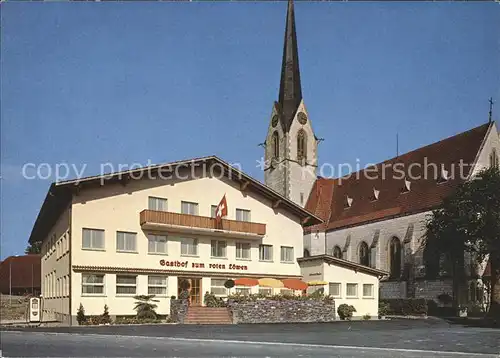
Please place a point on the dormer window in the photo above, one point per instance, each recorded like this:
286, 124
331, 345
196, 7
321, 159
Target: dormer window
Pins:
407, 186
376, 194
444, 176
348, 202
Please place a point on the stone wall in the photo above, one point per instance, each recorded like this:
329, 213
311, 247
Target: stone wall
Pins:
392, 289
287, 311
178, 310
430, 289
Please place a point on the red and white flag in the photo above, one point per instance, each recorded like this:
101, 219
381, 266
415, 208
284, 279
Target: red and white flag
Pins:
221, 210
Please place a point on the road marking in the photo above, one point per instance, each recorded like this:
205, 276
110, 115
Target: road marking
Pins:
298, 345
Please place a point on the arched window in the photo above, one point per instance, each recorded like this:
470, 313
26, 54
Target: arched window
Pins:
364, 254
276, 145
306, 253
337, 252
395, 257
301, 146
494, 159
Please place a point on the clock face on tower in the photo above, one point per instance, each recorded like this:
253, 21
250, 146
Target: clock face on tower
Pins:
302, 117
274, 121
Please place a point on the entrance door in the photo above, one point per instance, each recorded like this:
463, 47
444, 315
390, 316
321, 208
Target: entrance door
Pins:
195, 292
193, 286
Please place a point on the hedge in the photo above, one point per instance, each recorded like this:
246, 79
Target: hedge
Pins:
405, 307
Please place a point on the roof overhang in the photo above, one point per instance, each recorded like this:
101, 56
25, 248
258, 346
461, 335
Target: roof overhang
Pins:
344, 263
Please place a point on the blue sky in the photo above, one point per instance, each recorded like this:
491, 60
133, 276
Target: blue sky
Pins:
90, 83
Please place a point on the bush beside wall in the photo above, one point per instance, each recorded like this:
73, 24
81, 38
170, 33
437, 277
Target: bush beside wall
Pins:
404, 306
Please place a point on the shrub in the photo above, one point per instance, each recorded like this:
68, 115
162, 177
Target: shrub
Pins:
445, 298
213, 301
145, 307
405, 307
173, 297
229, 284
367, 317
345, 311
184, 295
383, 309
239, 298
80, 315
105, 318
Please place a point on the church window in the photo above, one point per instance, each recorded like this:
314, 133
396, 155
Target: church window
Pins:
301, 146
276, 145
364, 255
395, 257
494, 161
337, 252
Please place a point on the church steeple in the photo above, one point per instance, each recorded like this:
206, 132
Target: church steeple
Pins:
290, 94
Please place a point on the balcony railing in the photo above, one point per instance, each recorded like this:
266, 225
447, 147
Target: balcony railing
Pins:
203, 223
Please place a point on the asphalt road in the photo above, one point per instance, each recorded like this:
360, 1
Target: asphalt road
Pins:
405, 338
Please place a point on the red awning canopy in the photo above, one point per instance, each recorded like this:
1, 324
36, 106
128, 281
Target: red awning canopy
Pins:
246, 282
294, 284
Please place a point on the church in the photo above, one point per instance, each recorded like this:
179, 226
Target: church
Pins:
374, 217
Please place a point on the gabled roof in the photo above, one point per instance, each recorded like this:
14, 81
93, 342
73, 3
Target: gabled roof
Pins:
290, 94
328, 196
60, 194
344, 263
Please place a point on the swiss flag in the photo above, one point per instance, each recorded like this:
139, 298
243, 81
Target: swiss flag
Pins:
221, 210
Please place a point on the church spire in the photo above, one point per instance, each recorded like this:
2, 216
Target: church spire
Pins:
290, 94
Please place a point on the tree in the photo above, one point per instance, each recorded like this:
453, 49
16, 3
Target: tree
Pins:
80, 315
34, 248
145, 307
469, 221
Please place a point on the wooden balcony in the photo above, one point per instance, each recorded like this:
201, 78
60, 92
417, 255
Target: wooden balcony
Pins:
184, 223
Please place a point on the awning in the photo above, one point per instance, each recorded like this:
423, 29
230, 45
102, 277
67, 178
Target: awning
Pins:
270, 282
294, 284
246, 281
317, 283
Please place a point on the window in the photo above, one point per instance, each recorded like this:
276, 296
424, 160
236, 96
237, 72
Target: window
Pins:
301, 198
286, 254
286, 291
218, 248
126, 285
364, 254
217, 286
306, 253
242, 215
125, 241
276, 145
265, 291
352, 290
158, 204
367, 290
243, 291
334, 289
494, 161
265, 252
213, 211
92, 284
189, 208
395, 258
243, 250
157, 244
93, 239
157, 285
301, 146
189, 246
337, 252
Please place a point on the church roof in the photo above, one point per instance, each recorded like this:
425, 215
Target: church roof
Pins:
358, 198
290, 94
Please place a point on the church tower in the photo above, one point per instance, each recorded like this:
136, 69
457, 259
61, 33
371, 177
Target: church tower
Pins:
290, 146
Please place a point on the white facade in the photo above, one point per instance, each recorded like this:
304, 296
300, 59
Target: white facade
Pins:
94, 264
346, 283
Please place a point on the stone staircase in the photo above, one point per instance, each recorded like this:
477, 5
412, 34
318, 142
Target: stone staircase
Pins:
207, 315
